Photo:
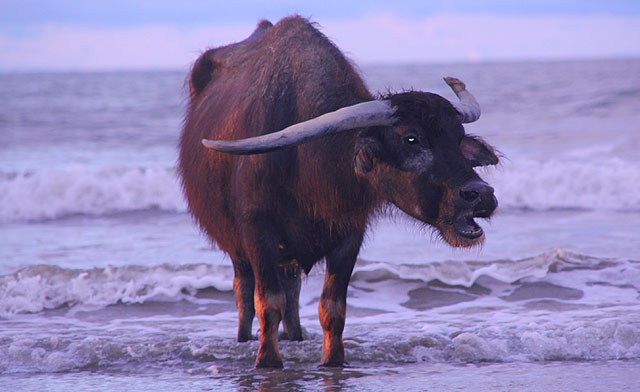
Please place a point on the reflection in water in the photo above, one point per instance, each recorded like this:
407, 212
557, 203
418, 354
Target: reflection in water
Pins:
300, 378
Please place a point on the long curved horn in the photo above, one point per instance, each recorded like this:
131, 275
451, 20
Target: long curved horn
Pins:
366, 114
468, 107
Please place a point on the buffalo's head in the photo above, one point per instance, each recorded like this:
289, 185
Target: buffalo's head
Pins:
413, 150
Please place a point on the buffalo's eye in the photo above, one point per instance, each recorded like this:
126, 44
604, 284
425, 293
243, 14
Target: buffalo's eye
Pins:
410, 139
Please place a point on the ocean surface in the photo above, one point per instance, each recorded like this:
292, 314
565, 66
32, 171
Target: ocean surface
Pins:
106, 283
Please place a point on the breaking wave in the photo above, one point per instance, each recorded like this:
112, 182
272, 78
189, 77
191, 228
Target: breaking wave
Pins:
586, 342
607, 185
41, 287
56, 193
548, 307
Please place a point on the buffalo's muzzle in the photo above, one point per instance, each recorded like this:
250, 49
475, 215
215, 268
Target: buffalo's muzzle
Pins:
475, 200
479, 197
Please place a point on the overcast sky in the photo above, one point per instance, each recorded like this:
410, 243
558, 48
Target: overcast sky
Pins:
134, 34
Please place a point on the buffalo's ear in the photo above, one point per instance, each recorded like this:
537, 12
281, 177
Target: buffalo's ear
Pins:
478, 152
367, 149
202, 72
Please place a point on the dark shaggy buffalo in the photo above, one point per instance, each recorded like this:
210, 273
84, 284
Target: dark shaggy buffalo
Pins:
278, 202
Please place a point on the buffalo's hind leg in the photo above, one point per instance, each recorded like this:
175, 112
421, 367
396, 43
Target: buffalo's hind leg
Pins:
243, 288
333, 301
290, 278
270, 305
261, 245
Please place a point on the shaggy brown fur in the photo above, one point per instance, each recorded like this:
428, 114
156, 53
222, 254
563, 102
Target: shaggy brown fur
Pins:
278, 213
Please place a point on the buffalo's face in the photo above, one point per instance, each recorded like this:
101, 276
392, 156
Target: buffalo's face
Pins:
424, 165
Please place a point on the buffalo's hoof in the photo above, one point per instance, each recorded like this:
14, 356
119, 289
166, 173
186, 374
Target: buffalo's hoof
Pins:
244, 339
334, 364
268, 364
295, 337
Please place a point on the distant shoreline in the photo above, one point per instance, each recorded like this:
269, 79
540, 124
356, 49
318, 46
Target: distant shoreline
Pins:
363, 65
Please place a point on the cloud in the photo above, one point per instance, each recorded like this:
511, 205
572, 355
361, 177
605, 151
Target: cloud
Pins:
449, 37
380, 37
69, 48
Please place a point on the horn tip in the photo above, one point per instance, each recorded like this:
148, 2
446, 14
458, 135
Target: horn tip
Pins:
209, 143
456, 84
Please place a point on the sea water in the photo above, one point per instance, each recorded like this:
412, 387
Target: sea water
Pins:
106, 283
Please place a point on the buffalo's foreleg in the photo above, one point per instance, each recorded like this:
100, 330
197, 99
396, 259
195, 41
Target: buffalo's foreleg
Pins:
333, 301
243, 286
261, 244
291, 283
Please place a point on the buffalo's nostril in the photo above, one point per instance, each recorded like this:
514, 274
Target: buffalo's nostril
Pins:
479, 195
469, 196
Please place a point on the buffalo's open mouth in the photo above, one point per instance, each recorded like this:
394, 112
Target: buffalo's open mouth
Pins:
467, 227
460, 228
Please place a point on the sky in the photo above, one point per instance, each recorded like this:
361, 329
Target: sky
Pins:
65, 35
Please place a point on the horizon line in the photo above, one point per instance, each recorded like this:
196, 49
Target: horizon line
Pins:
390, 63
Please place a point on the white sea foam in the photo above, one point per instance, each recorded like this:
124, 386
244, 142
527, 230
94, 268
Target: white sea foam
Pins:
37, 288
461, 273
41, 287
611, 184
48, 194
555, 306
124, 347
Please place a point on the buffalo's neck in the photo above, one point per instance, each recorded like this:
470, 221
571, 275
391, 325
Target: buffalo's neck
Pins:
328, 188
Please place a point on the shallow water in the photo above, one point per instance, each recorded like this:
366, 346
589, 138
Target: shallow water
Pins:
106, 283
610, 376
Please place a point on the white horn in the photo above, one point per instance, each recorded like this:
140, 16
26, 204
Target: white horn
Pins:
366, 114
468, 107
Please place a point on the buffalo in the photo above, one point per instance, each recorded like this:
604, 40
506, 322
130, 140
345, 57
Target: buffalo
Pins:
285, 158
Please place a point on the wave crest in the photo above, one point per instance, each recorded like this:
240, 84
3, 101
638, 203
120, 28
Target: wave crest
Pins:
522, 184
37, 288
573, 184
41, 287
55, 193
